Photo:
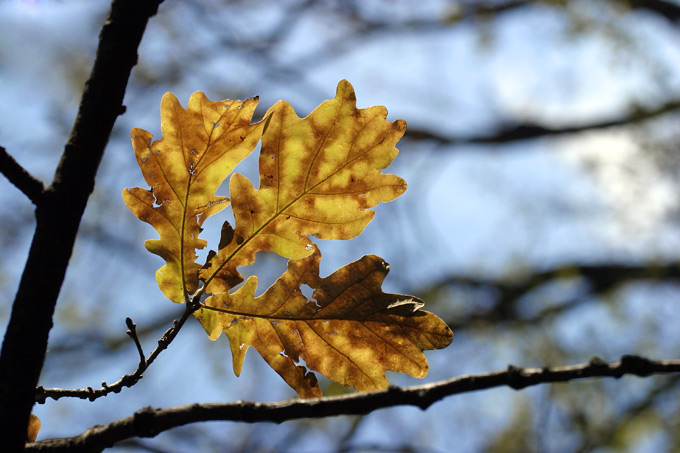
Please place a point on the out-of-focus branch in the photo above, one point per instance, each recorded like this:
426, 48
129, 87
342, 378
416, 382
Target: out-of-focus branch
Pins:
599, 278
606, 435
22, 179
526, 131
149, 422
663, 8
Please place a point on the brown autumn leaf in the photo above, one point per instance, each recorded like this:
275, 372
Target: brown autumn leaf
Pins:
33, 428
200, 147
319, 176
350, 331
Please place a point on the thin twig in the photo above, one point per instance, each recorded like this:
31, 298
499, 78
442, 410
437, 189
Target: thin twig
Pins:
132, 332
16, 174
149, 422
130, 379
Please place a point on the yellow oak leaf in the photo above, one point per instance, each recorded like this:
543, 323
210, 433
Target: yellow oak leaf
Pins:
319, 176
33, 428
200, 147
350, 331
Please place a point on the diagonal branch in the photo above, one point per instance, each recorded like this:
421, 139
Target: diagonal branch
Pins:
507, 294
22, 179
150, 422
510, 133
128, 380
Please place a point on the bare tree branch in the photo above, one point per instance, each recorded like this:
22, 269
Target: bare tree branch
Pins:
471, 9
506, 294
91, 341
602, 277
41, 394
149, 422
16, 174
525, 131
132, 333
58, 215
666, 9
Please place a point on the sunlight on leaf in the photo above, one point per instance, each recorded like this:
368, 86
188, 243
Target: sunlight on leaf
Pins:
319, 176
200, 147
351, 331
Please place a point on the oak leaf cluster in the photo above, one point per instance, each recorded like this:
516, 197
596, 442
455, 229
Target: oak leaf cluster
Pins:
319, 178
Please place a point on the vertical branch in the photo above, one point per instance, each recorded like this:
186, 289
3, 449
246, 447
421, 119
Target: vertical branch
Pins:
58, 215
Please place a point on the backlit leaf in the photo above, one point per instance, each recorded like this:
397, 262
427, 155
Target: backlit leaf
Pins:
200, 147
319, 176
351, 331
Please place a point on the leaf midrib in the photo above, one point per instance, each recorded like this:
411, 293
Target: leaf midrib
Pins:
185, 205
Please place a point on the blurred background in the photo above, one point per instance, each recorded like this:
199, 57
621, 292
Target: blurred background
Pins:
542, 220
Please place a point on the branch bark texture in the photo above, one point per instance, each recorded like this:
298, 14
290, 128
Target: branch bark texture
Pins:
149, 422
58, 213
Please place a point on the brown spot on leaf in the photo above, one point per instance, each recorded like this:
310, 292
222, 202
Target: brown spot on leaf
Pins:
177, 194
319, 176
226, 235
352, 332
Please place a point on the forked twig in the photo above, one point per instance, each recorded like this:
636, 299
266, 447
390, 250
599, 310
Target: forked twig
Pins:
128, 380
149, 422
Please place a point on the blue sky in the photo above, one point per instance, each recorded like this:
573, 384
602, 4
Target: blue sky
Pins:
489, 210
